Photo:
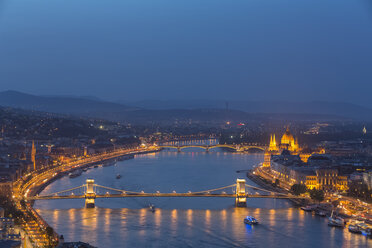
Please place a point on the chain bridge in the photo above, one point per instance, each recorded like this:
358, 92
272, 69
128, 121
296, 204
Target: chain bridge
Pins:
90, 191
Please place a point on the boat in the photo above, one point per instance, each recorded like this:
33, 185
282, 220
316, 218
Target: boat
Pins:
336, 221
118, 176
126, 157
75, 173
109, 163
354, 229
366, 232
85, 169
152, 207
308, 208
320, 213
250, 220
365, 229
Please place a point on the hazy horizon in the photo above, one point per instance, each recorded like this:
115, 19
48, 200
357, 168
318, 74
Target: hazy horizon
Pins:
276, 50
219, 100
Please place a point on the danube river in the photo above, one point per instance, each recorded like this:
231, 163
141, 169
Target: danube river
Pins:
185, 222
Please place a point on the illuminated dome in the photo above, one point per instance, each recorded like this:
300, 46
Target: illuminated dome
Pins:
287, 138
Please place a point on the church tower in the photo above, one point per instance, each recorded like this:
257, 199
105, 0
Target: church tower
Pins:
273, 146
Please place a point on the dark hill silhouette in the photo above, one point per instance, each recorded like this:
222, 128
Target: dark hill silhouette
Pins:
347, 110
60, 104
165, 112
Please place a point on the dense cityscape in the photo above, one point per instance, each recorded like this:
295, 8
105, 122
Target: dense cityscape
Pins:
185, 124
323, 167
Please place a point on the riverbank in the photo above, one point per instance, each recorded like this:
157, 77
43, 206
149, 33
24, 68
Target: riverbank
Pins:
264, 183
260, 178
40, 188
182, 221
37, 181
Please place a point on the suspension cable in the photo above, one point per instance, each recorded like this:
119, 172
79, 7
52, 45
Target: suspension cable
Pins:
64, 191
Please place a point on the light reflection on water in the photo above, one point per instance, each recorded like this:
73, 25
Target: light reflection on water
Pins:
185, 222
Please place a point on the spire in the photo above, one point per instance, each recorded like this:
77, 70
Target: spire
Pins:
272, 146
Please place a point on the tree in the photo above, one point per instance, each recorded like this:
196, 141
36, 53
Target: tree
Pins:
298, 189
317, 195
360, 190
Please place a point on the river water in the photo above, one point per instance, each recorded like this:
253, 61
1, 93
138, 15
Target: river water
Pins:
185, 222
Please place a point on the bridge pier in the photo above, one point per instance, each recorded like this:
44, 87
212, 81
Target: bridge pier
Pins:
90, 195
241, 198
178, 149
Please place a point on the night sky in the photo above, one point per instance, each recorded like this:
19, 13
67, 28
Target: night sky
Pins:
294, 50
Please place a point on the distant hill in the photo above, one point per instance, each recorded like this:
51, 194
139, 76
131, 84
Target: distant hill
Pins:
166, 112
341, 109
60, 104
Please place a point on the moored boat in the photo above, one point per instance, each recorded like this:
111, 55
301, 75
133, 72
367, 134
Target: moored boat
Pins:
365, 229
308, 208
320, 213
75, 173
354, 229
109, 163
336, 221
125, 157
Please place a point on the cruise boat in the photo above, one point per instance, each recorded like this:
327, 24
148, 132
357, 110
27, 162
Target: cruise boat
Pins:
354, 228
126, 157
109, 163
152, 207
250, 220
118, 176
75, 173
308, 208
336, 221
365, 229
320, 213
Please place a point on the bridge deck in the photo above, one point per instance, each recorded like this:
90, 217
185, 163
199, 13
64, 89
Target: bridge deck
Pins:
161, 195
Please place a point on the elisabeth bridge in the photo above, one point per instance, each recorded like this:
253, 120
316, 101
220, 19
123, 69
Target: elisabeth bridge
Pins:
90, 191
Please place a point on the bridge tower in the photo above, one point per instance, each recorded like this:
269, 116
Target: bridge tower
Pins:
241, 198
90, 195
178, 148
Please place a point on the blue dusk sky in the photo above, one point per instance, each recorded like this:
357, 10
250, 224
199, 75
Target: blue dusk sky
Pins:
293, 50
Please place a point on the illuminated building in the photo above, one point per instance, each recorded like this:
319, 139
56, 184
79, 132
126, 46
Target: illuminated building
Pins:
33, 155
289, 142
367, 178
317, 173
273, 146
